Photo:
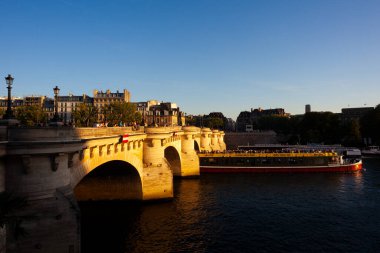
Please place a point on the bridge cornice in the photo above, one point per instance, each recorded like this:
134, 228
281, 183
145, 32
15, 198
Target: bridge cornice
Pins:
39, 147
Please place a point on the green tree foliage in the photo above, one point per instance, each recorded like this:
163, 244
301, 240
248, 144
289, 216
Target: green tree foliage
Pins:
214, 120
120, 113
213, 123
324, 127
30, 115
85, 115
320, 127
351, 135
281, 125
191, 121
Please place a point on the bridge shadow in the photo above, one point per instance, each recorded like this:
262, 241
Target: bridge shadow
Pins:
114, 180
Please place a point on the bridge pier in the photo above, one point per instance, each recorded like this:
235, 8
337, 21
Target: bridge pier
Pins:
214, 140
189, 157
206, 139
221, 142
43, 179
157, 175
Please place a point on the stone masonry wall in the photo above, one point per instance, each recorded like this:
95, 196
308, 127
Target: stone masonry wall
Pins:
233, 140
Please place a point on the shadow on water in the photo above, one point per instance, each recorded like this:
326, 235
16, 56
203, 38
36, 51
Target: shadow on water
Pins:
245, 213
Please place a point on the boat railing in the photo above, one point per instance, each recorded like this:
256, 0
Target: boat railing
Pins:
274, 154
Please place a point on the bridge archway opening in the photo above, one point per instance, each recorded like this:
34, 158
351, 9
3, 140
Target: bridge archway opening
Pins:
196, 146
172, 156
114, 180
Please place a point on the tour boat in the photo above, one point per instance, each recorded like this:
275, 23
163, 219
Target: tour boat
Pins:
371, 151
254, 161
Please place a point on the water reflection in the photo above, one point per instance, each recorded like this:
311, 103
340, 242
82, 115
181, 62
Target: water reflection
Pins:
146, 227
245, 213
162, 227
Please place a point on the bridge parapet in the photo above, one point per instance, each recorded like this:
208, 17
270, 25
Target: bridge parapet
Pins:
40, 134
63, 133
106, 131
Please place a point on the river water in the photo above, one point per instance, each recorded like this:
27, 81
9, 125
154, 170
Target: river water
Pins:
246, 213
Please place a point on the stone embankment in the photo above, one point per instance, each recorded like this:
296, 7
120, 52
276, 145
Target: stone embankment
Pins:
234, 139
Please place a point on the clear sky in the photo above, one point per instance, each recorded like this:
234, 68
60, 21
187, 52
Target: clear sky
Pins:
204, 55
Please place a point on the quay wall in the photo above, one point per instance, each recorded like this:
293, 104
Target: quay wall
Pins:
234, 139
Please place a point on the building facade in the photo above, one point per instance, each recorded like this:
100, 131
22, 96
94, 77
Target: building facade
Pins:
307, 108
155, 113
67, 104
247, 121
102, 99
16, 102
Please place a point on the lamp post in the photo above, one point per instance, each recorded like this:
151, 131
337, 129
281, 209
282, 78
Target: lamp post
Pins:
154, 117
9, 81
56, 92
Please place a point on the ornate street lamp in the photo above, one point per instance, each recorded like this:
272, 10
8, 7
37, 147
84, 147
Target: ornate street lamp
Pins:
9, 114
56, 92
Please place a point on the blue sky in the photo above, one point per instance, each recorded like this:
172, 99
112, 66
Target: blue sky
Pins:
205, 55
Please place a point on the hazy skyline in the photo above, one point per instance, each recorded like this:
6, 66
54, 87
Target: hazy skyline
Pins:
206, 56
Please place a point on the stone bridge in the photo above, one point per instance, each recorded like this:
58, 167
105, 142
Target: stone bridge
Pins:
52, 168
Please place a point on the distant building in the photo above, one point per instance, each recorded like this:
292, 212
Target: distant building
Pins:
67, 104
160, 113
257, 113
354, 113
48, 107
102, 99
307, 108
16, 102
247, 121
144, 107
34, 101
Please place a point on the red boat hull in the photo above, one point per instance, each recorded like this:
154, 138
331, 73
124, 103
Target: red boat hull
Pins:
288, 169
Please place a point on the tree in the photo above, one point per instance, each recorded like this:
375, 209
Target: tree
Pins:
85, 115
320, 127
121, 113
279, 124
30, 115
191, 121
214, 123
351, 133
370, 125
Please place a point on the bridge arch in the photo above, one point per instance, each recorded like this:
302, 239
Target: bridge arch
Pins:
196, 146
173, 158
112, 180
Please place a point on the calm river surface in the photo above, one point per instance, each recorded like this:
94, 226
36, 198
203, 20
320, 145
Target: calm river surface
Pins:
246, 213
